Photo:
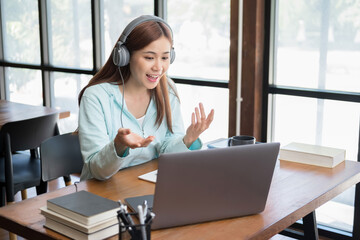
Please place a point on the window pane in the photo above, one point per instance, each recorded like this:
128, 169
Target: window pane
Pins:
20, 24
191, 96
117, 14
201, 38
25, 85
323, 122
339, 212
66, 88
314, 121
70, 36
318, 44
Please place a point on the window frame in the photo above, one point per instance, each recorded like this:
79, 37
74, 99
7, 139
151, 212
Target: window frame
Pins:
271, 90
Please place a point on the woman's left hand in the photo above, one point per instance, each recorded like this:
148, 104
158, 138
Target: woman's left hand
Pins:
199, 123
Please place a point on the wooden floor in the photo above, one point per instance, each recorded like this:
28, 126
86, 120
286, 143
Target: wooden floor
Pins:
31, 192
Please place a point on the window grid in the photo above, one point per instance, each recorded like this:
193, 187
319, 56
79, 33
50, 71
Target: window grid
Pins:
46, 68
272, 90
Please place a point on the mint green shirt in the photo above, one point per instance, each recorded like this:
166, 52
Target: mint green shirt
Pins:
99, 121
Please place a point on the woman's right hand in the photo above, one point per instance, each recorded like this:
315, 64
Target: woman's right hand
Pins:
125, 138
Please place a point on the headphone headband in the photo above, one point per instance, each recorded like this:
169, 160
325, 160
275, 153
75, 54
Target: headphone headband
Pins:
121, 55
137, 21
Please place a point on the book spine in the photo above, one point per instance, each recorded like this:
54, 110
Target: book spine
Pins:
306, 158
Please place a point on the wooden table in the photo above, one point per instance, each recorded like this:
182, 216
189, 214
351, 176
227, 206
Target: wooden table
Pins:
11, 111
296, 191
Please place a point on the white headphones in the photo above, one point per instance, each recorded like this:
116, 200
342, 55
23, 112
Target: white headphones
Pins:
121, 55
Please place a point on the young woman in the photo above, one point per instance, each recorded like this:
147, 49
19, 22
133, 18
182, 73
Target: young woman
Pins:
130, 112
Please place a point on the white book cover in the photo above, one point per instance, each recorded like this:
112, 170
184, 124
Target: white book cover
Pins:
312, 154
150, 176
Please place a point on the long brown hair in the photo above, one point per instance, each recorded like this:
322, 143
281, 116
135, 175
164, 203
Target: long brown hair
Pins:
140, 37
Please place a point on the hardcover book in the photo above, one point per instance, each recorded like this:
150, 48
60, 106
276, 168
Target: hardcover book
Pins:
85, 207
75, 234
312, 154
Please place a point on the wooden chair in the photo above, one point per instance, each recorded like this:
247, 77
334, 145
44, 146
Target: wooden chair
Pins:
60, 156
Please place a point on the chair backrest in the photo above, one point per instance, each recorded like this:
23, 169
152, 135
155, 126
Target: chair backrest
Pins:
60, 156
29, 133
24, 135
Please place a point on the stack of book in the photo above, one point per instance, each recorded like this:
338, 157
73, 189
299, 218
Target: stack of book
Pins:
82, 215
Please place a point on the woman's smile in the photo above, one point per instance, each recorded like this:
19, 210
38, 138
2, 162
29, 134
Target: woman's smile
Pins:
152, 78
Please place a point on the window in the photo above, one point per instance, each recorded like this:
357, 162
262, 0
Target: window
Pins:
70, 42
21, 37
66, 88
202, 38
202, 44
24, 85
117, 14
314, 86
20, 26
211, 97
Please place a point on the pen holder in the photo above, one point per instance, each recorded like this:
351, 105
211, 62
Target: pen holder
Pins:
134, 231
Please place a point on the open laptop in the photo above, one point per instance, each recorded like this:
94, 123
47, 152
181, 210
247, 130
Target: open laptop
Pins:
212, 184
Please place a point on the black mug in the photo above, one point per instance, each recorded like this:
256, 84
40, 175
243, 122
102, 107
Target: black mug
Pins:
241, 140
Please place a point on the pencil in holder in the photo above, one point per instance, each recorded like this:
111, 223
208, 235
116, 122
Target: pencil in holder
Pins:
133, 231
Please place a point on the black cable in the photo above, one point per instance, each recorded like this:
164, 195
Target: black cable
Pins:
123, 96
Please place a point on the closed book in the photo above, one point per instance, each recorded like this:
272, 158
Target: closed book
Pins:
312, 154
85, 207
75, 224
75, 234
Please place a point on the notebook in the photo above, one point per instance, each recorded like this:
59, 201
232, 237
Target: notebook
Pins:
205, 185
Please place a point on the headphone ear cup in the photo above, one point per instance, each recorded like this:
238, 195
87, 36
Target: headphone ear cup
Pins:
121, 56
172, 55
